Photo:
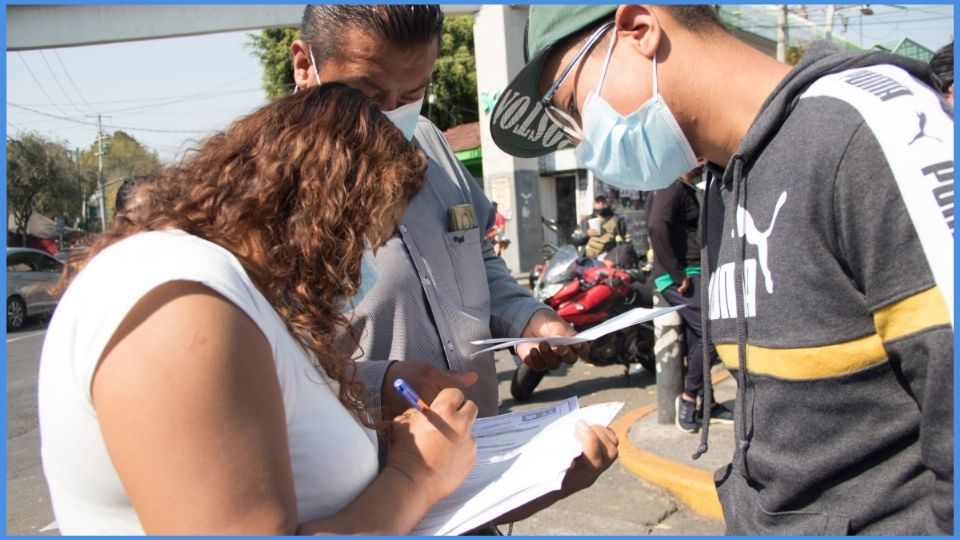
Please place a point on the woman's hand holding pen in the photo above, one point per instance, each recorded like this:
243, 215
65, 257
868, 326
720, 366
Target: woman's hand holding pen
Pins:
434, 449
427, 379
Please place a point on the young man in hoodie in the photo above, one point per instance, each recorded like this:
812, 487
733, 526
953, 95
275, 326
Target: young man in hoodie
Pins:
829, 246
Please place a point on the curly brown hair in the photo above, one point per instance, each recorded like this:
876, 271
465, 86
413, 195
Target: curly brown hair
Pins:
297, 191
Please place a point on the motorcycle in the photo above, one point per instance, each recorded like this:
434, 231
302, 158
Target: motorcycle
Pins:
586, 292
548, 250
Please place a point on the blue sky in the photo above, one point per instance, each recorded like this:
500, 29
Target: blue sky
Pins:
190, 86
170, 91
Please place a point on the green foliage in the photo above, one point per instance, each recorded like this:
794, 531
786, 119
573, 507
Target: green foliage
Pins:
454, 77
273, 48
40, 178
795, 53
123, 157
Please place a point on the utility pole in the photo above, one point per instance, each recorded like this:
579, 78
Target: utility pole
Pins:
103, 194
83, 196
828, 35
782, 33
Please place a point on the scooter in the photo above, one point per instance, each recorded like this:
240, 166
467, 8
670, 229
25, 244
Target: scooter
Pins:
586, 292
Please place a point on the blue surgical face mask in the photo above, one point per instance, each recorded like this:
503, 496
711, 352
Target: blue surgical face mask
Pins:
645, 150
404, 117
368, 276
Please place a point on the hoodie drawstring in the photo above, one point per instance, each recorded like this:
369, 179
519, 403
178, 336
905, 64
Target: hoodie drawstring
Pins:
705, 322
742, 433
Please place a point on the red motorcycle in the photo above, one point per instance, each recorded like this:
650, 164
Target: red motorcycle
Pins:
585, 292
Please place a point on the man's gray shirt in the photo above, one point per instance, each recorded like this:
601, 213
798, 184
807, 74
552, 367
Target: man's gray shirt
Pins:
438, 290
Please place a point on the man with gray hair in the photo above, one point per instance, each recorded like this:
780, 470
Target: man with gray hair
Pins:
439, 284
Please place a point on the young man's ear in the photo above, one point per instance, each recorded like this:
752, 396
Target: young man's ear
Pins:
638, 26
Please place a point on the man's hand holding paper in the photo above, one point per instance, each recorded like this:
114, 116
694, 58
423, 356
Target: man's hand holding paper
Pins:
624, 320
544, 356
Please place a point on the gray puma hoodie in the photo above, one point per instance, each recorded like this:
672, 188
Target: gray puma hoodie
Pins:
829, 250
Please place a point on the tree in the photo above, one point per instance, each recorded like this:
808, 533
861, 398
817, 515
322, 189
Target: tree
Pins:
454, 80
123, 157
40, 178
273, 48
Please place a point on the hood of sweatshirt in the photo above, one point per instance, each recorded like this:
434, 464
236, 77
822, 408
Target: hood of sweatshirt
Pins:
820, 59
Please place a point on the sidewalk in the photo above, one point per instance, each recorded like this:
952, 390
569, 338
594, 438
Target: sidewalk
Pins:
661, 453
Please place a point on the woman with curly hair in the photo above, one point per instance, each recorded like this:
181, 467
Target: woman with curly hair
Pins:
189, 381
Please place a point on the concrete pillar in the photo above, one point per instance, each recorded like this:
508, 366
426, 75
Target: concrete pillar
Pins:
668, 336
513, 182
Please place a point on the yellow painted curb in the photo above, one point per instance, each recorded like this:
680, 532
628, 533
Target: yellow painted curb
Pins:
692, 486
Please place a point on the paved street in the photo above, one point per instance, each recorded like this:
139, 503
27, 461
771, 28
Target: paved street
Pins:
618, 504
28, 502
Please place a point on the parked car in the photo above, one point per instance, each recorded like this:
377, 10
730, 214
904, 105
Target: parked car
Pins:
31, 276
70, 254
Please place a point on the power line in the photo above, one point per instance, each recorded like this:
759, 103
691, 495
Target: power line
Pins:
126, 128
69, 78
40, 86
868, 23
198, 97
162, 98
235, 110
57, 80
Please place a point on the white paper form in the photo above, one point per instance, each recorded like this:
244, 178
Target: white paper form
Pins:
520, 456
624, 320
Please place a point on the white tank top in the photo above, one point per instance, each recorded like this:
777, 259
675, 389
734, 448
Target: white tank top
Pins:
333, 456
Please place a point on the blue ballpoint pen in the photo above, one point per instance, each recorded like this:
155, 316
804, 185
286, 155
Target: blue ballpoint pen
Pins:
408, 394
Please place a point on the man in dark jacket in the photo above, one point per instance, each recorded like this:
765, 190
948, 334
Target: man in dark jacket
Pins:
612, 230
829, 235
672, 215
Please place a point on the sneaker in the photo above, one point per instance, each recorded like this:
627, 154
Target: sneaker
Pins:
719, 414
687, 415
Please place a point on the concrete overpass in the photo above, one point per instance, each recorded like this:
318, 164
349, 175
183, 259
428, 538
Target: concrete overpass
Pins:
50, 26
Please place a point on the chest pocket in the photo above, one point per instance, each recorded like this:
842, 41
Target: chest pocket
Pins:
466, 255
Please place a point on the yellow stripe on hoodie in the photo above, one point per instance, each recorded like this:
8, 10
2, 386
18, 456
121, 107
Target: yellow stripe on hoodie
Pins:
908, 316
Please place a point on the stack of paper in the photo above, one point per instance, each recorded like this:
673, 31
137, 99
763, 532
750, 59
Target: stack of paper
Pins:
520, 456
624, 320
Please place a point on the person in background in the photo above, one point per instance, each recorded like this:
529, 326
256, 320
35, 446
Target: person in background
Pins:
603, 228
127, 199
941, 69
672, 224
495, 234
201, 392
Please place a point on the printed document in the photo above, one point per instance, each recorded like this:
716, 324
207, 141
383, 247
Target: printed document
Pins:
520, 456
624, 320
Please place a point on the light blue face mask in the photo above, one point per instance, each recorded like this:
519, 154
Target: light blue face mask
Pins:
405, 117
644, 151
368, 276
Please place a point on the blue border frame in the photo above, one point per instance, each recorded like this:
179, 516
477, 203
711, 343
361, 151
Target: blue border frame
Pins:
3, 114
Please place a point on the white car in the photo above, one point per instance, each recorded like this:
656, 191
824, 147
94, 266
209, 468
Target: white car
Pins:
31, 276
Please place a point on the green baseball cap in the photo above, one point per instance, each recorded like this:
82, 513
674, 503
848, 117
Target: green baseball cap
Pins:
518, 124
